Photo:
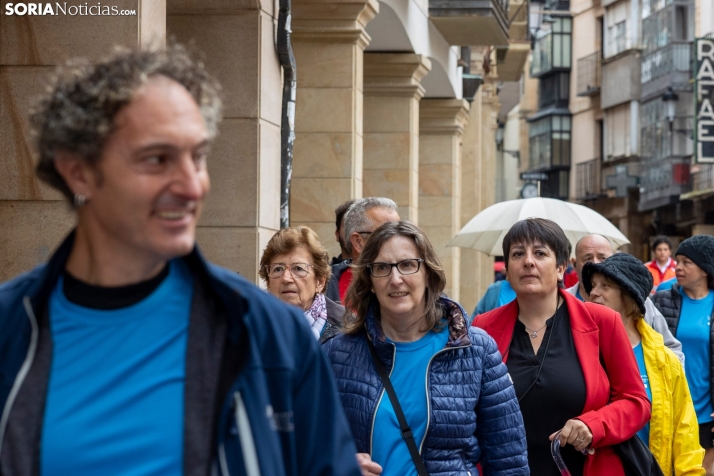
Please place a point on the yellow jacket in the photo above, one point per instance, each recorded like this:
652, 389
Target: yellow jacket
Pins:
674, 431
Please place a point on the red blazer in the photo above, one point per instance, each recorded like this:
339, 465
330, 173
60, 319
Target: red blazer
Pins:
598, 333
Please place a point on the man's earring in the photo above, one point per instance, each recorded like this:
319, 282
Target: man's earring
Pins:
79, 200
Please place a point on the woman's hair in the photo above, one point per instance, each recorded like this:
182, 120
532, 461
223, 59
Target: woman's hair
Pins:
360, 298
538, 230
630, 308
286, 240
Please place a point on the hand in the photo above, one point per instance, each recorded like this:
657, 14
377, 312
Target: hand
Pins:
575, 433
368, 467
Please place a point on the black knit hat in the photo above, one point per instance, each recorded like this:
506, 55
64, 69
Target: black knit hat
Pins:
627, 271
700, 249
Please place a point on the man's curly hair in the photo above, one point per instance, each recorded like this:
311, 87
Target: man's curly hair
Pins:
77, 113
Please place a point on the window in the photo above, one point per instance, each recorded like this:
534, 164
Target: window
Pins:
554, 90
654, 130
617, 123
552, 47
550, 142
618, 37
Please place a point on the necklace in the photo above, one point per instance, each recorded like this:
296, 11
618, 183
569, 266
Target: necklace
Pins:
534, 333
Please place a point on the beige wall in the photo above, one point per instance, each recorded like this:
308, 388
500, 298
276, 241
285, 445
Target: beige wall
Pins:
441, 126
328, 42
392, 92
242, 211
33, 217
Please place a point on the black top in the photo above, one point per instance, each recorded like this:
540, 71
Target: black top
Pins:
107, 298
556, 397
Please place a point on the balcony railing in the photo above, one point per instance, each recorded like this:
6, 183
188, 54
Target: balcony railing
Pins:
668, 65
703, 178
588, 180
663, 181
589, 75
471, 22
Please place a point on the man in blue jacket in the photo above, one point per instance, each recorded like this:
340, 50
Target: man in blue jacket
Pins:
128, 353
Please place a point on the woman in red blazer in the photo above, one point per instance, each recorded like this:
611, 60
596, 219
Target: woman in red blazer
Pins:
571, 362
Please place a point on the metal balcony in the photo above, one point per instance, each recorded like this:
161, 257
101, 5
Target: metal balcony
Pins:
471, 22
703, 178
589, 75
669, 65
663, 181
587, 185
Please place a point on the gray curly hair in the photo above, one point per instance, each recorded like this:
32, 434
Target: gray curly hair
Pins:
77, 112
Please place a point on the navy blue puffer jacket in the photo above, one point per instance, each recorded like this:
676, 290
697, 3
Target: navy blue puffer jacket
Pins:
473, 417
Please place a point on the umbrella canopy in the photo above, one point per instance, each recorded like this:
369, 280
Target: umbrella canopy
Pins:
485, 231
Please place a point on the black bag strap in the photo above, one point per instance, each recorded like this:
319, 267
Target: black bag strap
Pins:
403, 425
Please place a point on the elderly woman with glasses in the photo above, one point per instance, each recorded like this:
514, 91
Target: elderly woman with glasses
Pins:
295, 267
458, 405
571, 363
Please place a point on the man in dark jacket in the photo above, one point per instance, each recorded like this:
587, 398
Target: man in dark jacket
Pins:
128, 353
361, 219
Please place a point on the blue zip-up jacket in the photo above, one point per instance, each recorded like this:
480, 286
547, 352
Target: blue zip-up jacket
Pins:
473, 414
277, 415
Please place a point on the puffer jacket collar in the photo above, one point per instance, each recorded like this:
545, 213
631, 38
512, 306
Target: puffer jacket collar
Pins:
456, 321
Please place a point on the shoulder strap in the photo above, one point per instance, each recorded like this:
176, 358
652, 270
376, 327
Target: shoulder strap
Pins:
403, 425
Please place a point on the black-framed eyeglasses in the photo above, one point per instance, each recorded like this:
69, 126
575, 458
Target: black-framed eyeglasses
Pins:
405, 267
298, 270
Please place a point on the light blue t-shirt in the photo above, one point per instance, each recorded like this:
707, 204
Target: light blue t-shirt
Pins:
506, 294
116, 387
644, 433
664, 285
693, 333
409, 381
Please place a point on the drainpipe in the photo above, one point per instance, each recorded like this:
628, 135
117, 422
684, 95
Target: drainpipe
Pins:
287, 122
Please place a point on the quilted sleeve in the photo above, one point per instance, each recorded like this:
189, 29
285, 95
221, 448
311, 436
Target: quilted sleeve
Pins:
499, 430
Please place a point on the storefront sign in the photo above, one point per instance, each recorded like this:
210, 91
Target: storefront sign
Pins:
703, 99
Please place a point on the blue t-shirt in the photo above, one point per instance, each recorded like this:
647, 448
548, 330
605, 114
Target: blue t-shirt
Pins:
664, 285
116, 386
409, 380
506, 294
693, 333
644, 433
577, 294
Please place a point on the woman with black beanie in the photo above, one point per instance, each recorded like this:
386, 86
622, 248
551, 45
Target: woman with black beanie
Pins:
688, 307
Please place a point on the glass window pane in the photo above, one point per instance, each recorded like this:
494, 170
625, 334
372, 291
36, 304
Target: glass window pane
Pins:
556, 123
566, 51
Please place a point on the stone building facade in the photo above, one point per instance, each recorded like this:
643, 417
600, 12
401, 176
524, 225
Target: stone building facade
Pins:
380, 110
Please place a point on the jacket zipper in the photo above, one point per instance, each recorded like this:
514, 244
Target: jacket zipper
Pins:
247, 443
379, 400
428, 400
24, 368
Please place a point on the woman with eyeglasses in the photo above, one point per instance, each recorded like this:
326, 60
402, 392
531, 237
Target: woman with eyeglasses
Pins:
295, 267
450, 389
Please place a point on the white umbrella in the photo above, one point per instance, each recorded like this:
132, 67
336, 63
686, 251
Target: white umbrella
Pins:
485, 231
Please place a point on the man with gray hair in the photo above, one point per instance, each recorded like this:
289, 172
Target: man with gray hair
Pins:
363, 217
596, 248
129, 353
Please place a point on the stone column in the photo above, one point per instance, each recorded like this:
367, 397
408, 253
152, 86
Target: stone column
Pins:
328, 42
441, 126
392, 92
33, 217
478, 181
243, 209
